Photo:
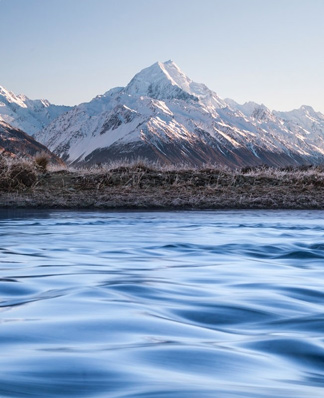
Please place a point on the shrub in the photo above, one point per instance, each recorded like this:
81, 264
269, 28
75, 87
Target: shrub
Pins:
22, 173
42, 161
3, 165
4, 178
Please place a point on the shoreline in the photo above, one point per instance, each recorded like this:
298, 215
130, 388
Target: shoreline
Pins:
143, 188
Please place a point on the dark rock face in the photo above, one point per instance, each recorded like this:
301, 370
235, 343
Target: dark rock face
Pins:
121, 116
192, 154
16, 143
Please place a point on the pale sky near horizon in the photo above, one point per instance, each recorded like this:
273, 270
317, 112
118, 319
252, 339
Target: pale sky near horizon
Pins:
68, 51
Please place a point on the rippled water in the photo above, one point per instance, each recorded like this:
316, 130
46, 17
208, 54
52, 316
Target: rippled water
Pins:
155, 305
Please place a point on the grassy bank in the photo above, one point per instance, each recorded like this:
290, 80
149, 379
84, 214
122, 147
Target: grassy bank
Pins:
145, 186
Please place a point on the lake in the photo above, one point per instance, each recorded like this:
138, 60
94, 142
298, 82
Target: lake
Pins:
162, 304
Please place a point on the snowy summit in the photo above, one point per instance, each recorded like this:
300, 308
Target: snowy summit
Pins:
164, 116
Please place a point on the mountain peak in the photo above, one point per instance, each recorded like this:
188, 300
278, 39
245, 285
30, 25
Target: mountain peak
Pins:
12, 98
165, 80
3, 91
307, 108
26, 114
159, 72
310, 112
162, 80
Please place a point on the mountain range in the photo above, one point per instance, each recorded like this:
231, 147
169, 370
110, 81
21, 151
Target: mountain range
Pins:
26, 114
162, 115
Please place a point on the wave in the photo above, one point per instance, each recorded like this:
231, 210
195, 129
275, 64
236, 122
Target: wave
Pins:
156, 305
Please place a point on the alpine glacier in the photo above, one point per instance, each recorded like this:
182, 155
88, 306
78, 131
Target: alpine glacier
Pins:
26, 114
164, 116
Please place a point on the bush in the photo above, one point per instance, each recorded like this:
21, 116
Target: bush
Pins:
3, 165
22, 173
42, 161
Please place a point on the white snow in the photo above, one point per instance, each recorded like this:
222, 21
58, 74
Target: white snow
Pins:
161, 104
26, 114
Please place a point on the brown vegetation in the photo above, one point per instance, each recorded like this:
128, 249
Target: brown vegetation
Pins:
42, 161
141, 185
17, 175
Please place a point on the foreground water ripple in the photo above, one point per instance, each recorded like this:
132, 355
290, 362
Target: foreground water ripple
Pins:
156, 305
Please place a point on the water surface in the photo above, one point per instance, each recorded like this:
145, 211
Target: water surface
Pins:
156, 305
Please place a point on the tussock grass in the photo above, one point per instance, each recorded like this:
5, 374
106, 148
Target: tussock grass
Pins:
16, 174
42, 161
142, 185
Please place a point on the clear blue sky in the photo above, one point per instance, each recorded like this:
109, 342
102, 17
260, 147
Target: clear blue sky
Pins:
68, 51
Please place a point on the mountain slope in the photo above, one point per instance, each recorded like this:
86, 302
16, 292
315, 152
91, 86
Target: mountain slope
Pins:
26, 114
304, 117
16, 143
163, 115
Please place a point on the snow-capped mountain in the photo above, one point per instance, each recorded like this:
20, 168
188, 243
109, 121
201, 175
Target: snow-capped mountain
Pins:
26, 114
304, 117
163, 115
16, 143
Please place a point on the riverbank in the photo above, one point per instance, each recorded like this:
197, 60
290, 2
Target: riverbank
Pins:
139, 186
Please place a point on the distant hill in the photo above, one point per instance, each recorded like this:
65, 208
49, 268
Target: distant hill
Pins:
16, 143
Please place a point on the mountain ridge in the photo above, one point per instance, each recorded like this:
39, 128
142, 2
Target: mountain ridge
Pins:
164, 116
26, 114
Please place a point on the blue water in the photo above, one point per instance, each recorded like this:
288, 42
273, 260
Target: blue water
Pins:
155, 305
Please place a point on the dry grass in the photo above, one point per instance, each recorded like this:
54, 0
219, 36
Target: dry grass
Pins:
143, 185
16, 174
42, 161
